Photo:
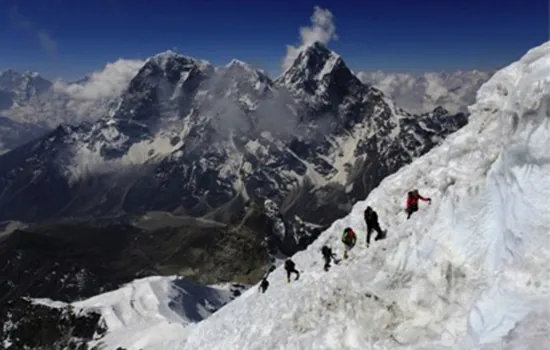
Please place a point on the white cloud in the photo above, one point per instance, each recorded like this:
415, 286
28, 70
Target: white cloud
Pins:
46, 41
422, 93
48, 44
322, 29
107, 83
93, 98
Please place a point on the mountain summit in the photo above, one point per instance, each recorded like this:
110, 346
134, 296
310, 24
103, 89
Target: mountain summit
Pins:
319, 76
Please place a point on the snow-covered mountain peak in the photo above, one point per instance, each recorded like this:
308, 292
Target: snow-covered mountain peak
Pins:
313, 64
237, 67
161, 86
318, 49
164, 56
23, 85
13, 75
238, 80
238, 63
320, 77
29, 75
172, 61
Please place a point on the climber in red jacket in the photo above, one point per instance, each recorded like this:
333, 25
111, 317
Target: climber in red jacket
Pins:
412, 202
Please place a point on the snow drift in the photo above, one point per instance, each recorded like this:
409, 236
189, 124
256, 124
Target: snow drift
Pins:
471, 270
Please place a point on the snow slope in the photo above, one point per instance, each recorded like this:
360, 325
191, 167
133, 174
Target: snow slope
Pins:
152, 304
471, 270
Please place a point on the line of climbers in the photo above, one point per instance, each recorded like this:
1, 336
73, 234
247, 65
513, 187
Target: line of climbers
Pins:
349, 237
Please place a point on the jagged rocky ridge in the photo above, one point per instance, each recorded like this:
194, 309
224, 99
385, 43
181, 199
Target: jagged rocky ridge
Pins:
194, 139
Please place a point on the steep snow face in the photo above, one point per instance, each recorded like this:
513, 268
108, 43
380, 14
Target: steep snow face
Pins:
154, 305
470, 270
422, 93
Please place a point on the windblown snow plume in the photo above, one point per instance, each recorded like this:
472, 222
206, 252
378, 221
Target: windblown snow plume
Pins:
110, 81
322, 29
471, 270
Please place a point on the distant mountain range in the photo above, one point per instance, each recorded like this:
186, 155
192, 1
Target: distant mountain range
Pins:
31, 106
423, 92
189, 138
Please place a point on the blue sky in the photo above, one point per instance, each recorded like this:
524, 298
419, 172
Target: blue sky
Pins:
70, 38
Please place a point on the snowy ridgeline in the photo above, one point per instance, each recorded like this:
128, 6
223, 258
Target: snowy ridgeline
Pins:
153, 305
471, 270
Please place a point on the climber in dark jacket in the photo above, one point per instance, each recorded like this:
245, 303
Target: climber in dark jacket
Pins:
371, 219
412, 202
349, 238
328, 256
264, 285
290, 268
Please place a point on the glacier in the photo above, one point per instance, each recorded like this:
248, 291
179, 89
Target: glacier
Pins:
470, 270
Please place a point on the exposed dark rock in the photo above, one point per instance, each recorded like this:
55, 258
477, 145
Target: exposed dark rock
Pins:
31, 326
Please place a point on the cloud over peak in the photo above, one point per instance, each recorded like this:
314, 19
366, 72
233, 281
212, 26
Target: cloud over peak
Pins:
109, 82
322, 29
